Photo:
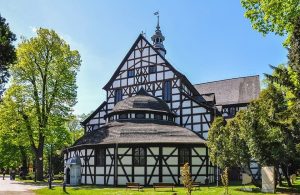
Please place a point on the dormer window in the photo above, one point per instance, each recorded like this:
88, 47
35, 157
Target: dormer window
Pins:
130, 73
140, 116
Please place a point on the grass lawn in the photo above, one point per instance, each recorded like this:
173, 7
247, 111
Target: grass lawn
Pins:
233, 190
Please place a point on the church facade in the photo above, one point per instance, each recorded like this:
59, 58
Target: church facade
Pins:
154, 120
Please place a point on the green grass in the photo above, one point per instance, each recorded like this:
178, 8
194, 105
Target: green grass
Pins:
233, 190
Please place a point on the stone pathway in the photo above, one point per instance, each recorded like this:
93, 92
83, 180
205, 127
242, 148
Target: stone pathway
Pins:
9, 187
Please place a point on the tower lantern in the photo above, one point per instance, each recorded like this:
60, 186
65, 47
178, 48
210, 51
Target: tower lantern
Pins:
158, 38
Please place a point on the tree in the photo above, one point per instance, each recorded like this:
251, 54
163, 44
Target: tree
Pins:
278, 16
12, 136
7, 52
186, 178
45, 74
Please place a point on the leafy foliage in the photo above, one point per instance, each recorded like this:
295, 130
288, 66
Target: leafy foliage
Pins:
186, 178
44, 90
7, 52
278, 16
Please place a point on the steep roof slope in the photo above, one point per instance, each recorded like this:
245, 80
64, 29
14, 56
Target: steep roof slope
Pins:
232, 91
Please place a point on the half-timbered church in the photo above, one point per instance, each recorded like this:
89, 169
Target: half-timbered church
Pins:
153, 121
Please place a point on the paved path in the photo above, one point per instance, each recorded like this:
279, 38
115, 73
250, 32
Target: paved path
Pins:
9, 187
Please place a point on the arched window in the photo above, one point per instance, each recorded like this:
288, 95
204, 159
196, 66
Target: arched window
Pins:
139, 157
140, 115
123, 116
167, 91
184, 155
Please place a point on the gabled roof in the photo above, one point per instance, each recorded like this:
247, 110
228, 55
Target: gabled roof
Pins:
177, 73
232, 91
93, 114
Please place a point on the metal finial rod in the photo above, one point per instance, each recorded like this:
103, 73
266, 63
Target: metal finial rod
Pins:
157, 14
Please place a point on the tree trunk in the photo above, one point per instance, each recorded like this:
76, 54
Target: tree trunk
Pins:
24, 167
283, 168
39, 164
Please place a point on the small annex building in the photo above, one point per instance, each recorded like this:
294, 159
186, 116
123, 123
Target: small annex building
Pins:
154, 120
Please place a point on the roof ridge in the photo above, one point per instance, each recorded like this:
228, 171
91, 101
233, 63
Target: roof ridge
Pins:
227, 79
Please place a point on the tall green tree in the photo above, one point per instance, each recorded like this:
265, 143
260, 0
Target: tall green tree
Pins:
278, 16
7, 52
12, 133
45, 73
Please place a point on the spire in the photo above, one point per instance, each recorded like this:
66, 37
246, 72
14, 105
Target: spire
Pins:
158, 38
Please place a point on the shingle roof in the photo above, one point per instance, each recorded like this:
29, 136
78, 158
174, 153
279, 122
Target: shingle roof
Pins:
142, 101
140, 131
232, 91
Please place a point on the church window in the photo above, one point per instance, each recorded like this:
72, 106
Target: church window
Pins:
140, 116
123, 116
152, 69
139, 157
100, 157
167, 91
130, 73
184, 156
157, 117
118, 95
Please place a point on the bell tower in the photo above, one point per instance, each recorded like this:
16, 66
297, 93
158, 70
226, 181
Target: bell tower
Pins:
158, 38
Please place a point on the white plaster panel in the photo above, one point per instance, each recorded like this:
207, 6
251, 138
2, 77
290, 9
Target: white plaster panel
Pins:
92, 161
196, 168
200, 179
168, 179
137, 53
100, 180
127, 160
83, 152
205, 127
122, 151
120, 171
153, 59
111, 150
99, 170
155, 150
175, 97
168, 150
93, 121
110, 106
205, 135
186, 111
152, 77
158, 93
152, 52
128, 170
139, 170
111, 180
159, 60
110, 100
145, 52
201, 151
172, 161
160, 68
111, 171
123, 82
116, 84
108, 160
169, 75
130, 81
196, 119
199, 110
89, 180
82, 170
175, 90
150, 161
154, 179
122, 180
82, 179
160, 76
140, 180
196, 161
150, 169
186, 103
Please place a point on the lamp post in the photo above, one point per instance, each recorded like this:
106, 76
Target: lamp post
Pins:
50, 168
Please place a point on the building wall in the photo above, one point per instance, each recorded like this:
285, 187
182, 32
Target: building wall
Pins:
162, 165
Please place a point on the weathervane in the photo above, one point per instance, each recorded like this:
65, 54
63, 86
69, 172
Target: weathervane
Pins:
157, 14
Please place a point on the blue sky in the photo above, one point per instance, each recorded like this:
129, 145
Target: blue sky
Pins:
205, 40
